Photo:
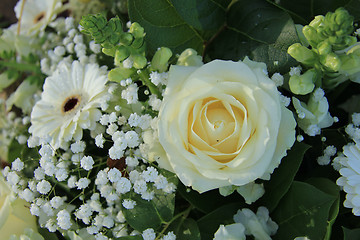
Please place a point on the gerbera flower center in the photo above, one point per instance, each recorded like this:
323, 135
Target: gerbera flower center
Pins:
39, 17
70, 103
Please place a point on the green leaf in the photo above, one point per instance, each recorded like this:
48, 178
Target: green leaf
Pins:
353, 6
211, 222
351, 234
185, 229
150, 214
163, 26
283, 176
331, 188
259, 30
201, 201
303, 211
136, 237
201, 14
17, 150
46, 234
304, 11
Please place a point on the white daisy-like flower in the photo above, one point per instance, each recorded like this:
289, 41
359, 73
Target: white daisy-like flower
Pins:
350, 176
69, 103
35, 15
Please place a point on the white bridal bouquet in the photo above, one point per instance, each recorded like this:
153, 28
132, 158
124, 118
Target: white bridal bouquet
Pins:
180, 119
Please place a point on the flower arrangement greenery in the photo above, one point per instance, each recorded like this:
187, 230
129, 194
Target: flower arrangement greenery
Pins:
188, 120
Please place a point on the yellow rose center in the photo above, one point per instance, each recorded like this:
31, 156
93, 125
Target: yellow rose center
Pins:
214, 128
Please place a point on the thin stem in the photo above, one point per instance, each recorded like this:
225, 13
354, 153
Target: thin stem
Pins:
21, 66
20, 17
206, 44
144, 77
183, 214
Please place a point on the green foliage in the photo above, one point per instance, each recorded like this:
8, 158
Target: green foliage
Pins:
114, 41
351, 234
17, 150
164, 26
150, 214
259, 30
11, 69
201, 201
283, 176
136, 237
331, 188
185, 229
303, 211
333, 51
222, 215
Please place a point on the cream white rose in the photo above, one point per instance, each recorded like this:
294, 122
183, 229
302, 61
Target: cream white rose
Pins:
223, 124
15, 216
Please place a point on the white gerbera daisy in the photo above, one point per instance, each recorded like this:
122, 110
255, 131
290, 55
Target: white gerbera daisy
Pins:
350, 179
36, 14
69, 103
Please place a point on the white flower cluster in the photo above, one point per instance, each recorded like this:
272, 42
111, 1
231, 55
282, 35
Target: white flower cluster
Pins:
329, 152
96, 188
314, 115
70, 43
258, 225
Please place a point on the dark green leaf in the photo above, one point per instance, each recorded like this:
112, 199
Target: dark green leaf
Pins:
163, 26
210, 223
136, 237
304, 11
201, 201
351, 234
303, 211
259, 30
46, 234
353, 6
331, 188
283, 176
185, 229
201, 14
17, 150
150, 214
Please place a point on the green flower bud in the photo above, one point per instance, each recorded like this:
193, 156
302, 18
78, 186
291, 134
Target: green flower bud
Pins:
94, 26
302, 54
137, 43
304, 83
126, 39
115, 24
139, 61
311, 35
317, 21
189, 57
161, 59
324, 48
137, 30
331, 62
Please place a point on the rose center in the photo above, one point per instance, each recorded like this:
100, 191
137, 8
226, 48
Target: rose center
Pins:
70, 104
39, 17
218, 124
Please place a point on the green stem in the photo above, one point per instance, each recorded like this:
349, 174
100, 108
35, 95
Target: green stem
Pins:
21, 66
182, 214
144, 77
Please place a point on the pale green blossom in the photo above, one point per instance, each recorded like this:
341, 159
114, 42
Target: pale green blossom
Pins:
235, 231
